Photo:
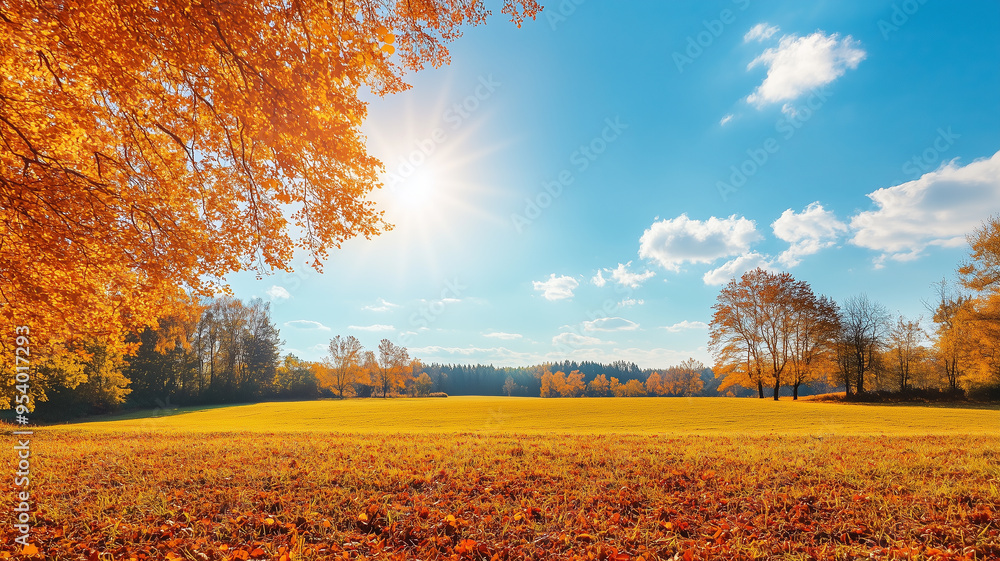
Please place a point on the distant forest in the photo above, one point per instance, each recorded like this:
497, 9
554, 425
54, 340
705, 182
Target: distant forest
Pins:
481, 379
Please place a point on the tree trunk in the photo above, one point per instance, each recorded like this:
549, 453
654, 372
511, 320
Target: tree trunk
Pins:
795, 392
777, 389
760, 389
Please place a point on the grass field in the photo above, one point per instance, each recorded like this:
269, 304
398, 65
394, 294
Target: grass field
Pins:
709, 416
505, 479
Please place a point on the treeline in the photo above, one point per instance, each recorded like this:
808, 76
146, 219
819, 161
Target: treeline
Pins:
223, 350
685, 380
769, 331
481, 379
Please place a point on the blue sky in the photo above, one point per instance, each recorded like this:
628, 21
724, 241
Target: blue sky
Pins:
580, 187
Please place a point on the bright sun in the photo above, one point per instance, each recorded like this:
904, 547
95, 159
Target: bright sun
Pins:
418, 193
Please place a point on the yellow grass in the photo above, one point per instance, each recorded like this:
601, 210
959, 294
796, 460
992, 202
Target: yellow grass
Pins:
502, 415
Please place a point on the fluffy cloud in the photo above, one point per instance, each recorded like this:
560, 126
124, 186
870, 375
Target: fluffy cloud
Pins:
736, 267
375, 327
503, 336
676, 241
556, 288
629, 302
624, 277
306, 324
725, 120
383, 306
760, 32
807, 232
610, 324
278, 293
686, 326
573, 340
938, 209
799, 64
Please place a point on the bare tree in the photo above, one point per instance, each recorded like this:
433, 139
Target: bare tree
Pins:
865, 327
905, 351
509, 386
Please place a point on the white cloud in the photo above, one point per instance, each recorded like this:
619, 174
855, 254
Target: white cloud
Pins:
278, 293
306, 324
556, 288
735, 268
503, 336
610, 324
374, 327
938, 209
685, 326
676, 241
799, 64
383, 306
629, 302
760, 32
807, 232
574, 340
599, 279
726, 119
624, 277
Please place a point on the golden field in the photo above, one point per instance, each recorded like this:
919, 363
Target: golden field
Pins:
523, 415
509, 478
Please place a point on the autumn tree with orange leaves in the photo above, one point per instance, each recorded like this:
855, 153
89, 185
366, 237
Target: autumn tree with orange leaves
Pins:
770, 329
968, 325
147, 149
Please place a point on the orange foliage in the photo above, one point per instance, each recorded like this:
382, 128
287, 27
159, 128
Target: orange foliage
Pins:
561, 385
769, 328
147, 149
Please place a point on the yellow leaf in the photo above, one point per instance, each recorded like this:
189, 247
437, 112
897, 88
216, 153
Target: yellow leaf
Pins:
29, 549
388, 49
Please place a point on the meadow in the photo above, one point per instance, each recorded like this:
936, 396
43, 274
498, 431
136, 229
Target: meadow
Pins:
519, 478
